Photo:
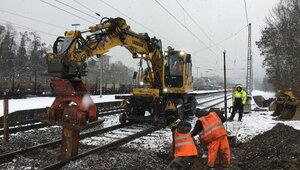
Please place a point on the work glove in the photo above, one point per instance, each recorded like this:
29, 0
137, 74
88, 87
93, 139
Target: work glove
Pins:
175, 124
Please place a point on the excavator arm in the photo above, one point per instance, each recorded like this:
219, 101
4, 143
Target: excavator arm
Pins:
71, 52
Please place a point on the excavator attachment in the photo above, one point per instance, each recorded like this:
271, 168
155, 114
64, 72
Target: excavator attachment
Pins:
261, 101
288, 104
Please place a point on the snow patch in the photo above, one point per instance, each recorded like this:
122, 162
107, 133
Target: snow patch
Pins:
265, 94
43, 102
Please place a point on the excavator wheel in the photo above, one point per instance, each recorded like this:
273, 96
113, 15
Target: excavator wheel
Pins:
297, 113
123, 118
193, 105
279, 108
288, 112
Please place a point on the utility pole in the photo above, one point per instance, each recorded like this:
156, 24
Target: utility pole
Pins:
249, 81
5, 120
197, 78
101, 74
225, 88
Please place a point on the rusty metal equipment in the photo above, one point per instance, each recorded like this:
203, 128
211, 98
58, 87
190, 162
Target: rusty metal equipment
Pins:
73, 109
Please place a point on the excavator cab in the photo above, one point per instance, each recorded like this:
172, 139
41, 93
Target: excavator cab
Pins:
174, 70
177, 72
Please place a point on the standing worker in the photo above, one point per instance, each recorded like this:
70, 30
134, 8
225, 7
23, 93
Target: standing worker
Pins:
239, 99
184, 149
213, 134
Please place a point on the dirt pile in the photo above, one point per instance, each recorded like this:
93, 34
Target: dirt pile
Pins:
278, 148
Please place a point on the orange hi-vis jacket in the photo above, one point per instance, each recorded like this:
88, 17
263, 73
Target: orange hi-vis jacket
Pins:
184, 145
212, 128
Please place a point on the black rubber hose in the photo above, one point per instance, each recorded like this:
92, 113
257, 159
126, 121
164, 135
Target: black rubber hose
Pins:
58, 39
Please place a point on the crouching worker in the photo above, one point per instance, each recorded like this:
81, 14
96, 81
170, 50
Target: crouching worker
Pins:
212, 134
184, 149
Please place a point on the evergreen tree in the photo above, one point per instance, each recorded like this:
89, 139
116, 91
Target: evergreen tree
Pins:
21, 63
7, 56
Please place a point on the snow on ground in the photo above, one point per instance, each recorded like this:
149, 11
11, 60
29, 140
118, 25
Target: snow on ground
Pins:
256, 122
205, 91
266, 95
42, 102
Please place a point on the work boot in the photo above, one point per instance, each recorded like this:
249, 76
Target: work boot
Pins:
210, 168
225, 168
230, 119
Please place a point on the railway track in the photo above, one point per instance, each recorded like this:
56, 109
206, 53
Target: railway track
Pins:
56, 142
119, 142
111, 109
107, 108
15, 127
108, 146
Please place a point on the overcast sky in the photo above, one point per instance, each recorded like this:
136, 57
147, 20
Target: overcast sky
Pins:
217, 20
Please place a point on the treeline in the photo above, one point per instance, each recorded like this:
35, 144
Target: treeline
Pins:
280, 45
22, 59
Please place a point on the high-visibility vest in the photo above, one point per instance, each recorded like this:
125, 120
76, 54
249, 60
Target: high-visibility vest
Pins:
184, 145
212, 128
242, 96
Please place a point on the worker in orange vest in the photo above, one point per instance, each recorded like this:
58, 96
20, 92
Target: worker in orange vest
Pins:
212, 134
184, 149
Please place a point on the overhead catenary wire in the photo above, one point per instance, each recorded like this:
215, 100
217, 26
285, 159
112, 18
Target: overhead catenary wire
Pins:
200, 28
88, 8
33, 19
77, 10
223, 40
180, 23
135, 21
67, 11
27, 28
246, 11
195, 36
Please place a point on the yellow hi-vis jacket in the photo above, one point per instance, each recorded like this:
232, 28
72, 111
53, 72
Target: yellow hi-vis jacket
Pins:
242, 95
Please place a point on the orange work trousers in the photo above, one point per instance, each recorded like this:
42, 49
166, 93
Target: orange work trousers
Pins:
221, 146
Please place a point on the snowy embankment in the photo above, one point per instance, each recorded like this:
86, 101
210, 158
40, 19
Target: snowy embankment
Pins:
256, 122
42, 102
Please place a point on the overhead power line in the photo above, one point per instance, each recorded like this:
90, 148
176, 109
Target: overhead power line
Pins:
246, 11
225, 39
88, 8
200, 28
77, 9
194, 35
33, 19
140, 24
66, 11
27, 28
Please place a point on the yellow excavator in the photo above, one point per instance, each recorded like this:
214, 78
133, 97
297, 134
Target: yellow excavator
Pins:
163, 91
287, 104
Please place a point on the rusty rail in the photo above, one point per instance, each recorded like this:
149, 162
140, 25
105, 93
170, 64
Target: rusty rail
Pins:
109, 146
82, 136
